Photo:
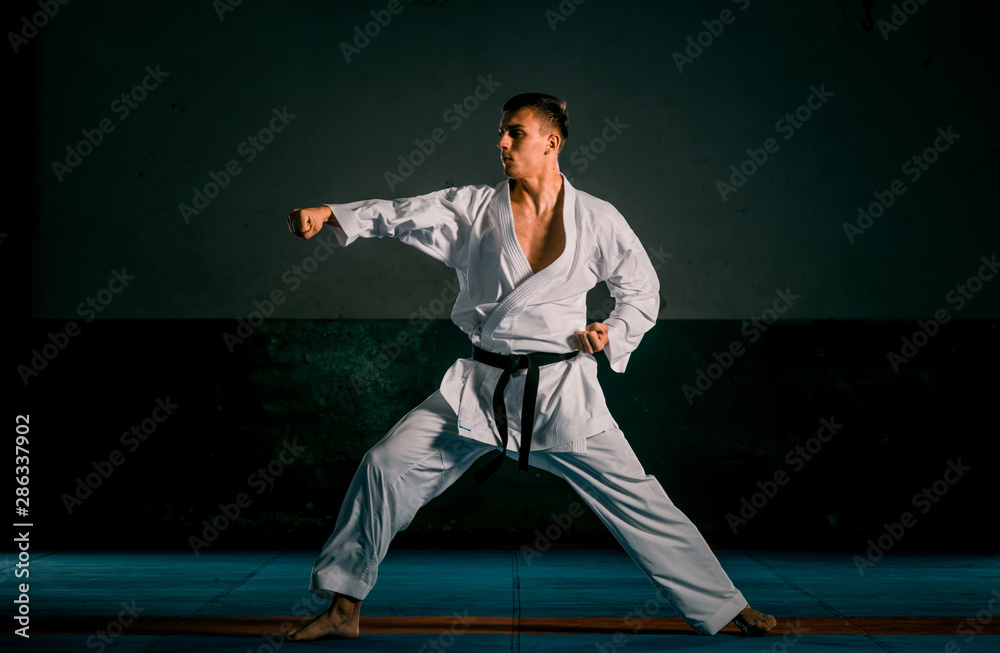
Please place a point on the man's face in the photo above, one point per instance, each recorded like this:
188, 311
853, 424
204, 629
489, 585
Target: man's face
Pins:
523, 141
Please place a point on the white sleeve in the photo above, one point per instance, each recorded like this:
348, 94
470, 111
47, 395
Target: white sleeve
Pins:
633, 283
436, 223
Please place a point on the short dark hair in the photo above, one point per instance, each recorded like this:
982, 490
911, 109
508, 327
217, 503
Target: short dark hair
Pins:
547, 108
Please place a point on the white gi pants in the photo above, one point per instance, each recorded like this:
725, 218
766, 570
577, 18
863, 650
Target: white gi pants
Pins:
423, 454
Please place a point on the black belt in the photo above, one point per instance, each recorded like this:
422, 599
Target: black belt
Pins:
509, 364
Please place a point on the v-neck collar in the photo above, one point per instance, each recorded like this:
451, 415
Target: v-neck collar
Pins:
512, 248
529, 284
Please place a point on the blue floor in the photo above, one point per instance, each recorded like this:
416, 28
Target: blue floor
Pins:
808, 592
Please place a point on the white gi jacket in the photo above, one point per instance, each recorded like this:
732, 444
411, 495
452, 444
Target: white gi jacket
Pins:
506, 308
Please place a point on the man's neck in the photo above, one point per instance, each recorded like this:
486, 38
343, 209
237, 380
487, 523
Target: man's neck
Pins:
540, 193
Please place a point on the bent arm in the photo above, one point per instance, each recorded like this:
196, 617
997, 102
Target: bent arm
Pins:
633, 283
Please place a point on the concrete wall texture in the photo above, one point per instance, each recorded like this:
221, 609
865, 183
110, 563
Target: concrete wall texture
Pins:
758, 149
810, 425
689, 88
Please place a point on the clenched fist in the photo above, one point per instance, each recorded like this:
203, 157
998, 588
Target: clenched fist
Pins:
306, 223
593, 340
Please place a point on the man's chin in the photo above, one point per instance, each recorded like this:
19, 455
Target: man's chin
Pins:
509, 171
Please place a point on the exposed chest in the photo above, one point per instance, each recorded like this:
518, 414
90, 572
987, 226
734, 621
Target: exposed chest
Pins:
542, 237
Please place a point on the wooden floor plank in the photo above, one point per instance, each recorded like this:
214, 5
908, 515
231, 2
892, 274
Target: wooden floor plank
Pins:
487, 625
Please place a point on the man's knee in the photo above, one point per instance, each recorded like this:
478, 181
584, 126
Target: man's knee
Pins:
375, 463
393, 453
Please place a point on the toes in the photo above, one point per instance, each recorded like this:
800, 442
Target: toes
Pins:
764, 623
755, 623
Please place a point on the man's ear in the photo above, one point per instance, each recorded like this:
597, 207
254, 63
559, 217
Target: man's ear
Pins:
554, 143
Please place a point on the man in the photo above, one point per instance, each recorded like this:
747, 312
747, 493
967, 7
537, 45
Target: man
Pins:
526, 252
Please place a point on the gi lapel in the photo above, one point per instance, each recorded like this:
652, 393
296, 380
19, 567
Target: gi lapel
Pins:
530, 283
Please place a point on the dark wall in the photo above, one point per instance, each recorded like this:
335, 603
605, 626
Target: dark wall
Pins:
72, 237
810, 425
660, 135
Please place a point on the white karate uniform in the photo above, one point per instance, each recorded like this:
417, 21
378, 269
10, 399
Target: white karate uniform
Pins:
506, 308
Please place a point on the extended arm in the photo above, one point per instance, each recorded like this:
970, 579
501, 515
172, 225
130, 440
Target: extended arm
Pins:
435, 223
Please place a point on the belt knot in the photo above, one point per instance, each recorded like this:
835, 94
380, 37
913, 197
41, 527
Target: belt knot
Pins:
510, 364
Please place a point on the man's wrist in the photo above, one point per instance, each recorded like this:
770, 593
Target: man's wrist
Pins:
330, 218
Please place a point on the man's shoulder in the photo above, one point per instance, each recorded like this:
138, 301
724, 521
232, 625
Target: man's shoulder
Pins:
470, 190
471, 199
591, 208
604, 224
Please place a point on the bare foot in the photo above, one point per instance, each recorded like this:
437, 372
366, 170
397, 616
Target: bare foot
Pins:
340, 621
753, 622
